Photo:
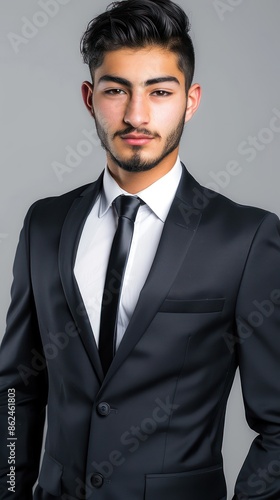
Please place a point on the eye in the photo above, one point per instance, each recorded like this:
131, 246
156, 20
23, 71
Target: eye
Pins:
115, 92
161, 93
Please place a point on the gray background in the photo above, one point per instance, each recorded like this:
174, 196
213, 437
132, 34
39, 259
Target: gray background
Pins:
42, 116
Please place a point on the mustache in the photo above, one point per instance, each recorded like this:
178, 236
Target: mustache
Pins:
132, 130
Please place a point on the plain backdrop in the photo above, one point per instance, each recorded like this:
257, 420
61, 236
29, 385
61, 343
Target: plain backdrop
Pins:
232, 144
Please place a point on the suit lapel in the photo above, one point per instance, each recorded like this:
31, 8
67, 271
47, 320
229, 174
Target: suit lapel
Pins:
179, 229
70, 237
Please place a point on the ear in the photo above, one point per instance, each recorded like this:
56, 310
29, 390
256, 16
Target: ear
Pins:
194, 97
87, 90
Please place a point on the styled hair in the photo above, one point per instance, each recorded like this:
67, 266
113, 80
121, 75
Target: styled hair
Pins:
138, 24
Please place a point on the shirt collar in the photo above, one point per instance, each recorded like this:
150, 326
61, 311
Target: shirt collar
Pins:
158, 196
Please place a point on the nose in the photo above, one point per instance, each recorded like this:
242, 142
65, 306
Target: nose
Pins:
137, 112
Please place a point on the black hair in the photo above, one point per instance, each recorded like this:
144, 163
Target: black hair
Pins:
139, 23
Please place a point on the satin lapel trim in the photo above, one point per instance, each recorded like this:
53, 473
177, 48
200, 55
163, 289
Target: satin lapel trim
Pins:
69, 241
179, 229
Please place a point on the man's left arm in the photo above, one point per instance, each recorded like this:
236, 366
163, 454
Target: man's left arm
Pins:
258, 346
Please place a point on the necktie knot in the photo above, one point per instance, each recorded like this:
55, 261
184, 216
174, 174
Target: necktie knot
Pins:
127, 206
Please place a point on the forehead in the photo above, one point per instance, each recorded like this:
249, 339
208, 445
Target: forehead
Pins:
139, 65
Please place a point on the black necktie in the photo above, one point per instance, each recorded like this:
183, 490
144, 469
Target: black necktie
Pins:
126, 207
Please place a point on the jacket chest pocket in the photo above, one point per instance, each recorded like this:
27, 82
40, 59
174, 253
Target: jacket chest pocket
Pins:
192, 306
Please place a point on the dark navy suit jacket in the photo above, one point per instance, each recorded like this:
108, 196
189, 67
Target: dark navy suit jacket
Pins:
152, 428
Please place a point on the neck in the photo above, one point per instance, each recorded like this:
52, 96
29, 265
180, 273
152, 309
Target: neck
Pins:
134, 182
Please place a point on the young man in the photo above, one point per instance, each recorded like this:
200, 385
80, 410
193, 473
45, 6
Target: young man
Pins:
136, 297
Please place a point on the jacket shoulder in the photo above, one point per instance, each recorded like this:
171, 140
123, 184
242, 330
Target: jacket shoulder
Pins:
214, 204
63, 200
53, 210
238, 214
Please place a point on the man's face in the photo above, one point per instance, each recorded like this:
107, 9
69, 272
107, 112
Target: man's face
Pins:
139, 105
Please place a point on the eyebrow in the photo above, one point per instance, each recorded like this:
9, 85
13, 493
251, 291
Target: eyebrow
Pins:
127, 83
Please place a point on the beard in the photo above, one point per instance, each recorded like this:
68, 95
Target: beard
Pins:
136, 163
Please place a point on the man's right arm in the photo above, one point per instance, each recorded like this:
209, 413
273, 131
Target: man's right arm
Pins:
23, 384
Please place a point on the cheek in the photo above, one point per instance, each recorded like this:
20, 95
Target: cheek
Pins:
168, 123
104, 123
109, 114
101, 121
169, 115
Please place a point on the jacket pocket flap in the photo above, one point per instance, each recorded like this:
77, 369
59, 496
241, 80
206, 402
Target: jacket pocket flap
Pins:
193, 485
50, 475
192, 306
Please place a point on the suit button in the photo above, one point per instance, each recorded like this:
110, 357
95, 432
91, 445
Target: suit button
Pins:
97, 480
103, 409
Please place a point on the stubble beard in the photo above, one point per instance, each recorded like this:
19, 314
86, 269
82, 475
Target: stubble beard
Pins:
135, 163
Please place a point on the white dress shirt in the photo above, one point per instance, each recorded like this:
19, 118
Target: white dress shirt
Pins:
96, 240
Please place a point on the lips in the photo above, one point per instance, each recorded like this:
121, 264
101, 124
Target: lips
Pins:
137, 139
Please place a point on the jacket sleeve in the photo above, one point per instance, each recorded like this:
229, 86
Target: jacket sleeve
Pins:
258, 347
23, 380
